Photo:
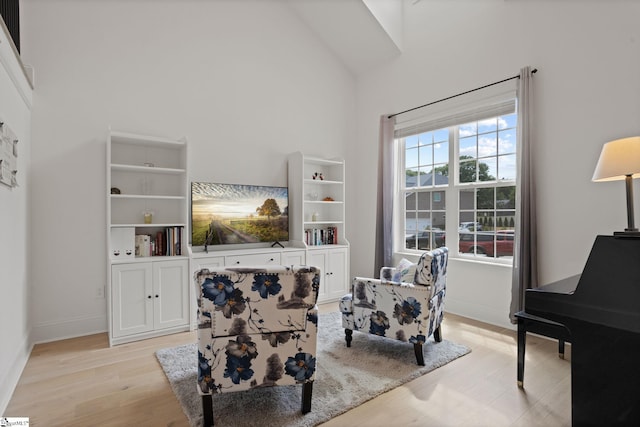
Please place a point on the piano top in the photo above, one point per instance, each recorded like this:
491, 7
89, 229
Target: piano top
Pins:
607, 292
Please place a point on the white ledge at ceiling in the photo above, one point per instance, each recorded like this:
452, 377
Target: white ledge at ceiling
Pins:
12, 63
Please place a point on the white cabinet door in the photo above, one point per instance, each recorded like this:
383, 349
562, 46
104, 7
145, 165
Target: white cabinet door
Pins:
337, 280
333, 262
132, 299
170, 294
293, 258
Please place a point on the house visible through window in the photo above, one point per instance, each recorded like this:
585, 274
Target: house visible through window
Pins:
458, 182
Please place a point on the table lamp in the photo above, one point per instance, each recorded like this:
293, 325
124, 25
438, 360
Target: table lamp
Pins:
620, 159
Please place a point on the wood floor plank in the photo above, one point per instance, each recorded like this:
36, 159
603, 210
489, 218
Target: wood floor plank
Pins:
84, 382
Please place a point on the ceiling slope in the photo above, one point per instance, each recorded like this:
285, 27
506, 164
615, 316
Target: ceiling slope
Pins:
352, 29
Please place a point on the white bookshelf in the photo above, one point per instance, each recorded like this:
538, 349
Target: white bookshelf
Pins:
317, 206
148, 292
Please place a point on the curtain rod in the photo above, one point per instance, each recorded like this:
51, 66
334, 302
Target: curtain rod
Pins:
535, 70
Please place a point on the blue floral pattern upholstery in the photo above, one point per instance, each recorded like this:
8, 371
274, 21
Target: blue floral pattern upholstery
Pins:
257, 327
410, 312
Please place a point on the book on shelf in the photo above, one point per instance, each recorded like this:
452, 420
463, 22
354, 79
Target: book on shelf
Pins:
164, 243
321, 236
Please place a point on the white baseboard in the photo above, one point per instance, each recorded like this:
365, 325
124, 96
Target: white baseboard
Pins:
69, 328
473, 311
13, 373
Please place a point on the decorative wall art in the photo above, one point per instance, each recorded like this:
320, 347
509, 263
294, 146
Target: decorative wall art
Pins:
8, 155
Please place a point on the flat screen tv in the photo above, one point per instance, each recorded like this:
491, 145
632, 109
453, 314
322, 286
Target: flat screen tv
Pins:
230, 214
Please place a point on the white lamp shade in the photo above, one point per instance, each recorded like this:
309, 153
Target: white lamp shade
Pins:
618, 159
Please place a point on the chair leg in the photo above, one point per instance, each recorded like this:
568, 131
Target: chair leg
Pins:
348, 335
437, 334
417, 348
207, 410
307, 391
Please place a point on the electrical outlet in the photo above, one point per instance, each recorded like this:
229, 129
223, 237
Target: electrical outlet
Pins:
100, 292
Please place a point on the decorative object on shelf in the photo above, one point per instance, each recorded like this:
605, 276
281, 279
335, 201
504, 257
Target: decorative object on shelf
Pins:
321, 177
115, 190
328, 199
620, 159
148, 217
315, 216
313, 196
315, 175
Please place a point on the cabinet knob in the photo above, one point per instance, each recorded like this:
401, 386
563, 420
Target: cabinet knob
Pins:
237, 262
271, 259
157, 296
149, 296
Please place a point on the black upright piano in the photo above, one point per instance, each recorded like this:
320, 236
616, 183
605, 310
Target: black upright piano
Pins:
597, 311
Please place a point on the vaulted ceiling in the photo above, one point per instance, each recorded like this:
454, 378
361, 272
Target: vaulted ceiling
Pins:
362, 33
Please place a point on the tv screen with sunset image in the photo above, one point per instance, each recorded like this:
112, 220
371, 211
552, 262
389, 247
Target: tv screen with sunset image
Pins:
227, 214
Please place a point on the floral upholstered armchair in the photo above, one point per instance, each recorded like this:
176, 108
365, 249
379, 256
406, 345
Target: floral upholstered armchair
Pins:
257, 327
406, 303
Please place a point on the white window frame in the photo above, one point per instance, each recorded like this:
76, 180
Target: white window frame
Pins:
492, 102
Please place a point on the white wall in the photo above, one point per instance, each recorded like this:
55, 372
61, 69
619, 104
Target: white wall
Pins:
15, 111
587, 92
245, 81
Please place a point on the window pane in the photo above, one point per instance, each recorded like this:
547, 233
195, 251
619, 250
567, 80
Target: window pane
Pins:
506, 197
424, 201
488, 125
483, 220
485, 198
437, 219
487, 145
441, 135
507, 167
488, 169
467, 217
410, 201
424, 220
425, 138
426, 177
508, 121
425, 154
411, 177
468, 129
441, 152
466, 199
468, 147
411, 141
468, 171
507, 141
439, 200
440, 176
505, 220
411, 158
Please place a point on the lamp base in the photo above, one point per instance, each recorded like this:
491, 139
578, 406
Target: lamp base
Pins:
633, 234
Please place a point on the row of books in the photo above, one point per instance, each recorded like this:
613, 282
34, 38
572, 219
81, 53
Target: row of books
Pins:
321, 236
163, 243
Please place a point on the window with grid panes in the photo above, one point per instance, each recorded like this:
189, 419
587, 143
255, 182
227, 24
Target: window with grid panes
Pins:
483, 152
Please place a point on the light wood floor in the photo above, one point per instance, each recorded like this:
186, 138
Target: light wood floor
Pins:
83, 382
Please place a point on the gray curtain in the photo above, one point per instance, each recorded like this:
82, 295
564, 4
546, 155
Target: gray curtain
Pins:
525, 258
384, 212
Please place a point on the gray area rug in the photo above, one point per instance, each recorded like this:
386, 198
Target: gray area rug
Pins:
346, 378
